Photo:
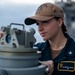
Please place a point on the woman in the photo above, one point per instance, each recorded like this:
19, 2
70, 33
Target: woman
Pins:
58, 50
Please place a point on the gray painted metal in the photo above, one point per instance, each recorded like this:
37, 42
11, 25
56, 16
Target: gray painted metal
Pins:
17, 55
69, 9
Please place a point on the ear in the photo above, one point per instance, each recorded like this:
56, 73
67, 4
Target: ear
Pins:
60, 21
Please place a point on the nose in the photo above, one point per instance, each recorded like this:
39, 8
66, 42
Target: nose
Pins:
40, 27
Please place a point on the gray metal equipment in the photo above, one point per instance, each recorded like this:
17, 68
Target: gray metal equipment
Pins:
17, 55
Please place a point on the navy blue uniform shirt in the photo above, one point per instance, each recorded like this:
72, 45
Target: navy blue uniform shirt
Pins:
64, 63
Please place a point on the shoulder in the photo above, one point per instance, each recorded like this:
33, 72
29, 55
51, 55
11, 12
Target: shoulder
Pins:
71, 50
70, 43
40, 45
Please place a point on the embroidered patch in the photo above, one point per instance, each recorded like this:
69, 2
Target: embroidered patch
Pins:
66, 66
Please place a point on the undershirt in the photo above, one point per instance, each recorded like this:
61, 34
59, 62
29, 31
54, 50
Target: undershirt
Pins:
54, 54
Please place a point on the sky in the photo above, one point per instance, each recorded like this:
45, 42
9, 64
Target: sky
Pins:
24, 1
15, 11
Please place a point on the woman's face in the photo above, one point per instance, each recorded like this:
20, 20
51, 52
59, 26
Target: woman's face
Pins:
48, 29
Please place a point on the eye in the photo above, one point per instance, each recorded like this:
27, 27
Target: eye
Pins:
37, 23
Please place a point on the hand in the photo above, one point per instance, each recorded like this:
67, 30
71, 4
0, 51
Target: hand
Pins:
50, 66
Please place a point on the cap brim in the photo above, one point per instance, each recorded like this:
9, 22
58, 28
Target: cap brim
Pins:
32, 20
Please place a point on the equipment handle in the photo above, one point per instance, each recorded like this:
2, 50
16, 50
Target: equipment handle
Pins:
17, 24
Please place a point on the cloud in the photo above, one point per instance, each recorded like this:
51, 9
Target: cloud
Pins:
24, 1
16, 14
15, 11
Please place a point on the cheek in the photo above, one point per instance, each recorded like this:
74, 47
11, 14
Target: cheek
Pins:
52, 29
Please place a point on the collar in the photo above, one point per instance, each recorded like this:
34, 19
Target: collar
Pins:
66, 52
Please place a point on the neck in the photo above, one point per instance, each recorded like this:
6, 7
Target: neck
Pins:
58, 42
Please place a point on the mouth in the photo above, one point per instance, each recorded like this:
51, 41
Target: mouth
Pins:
43, 34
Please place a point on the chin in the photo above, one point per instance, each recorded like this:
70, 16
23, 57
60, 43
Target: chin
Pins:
45, 39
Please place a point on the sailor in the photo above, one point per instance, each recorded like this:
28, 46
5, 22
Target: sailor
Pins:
58, 50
